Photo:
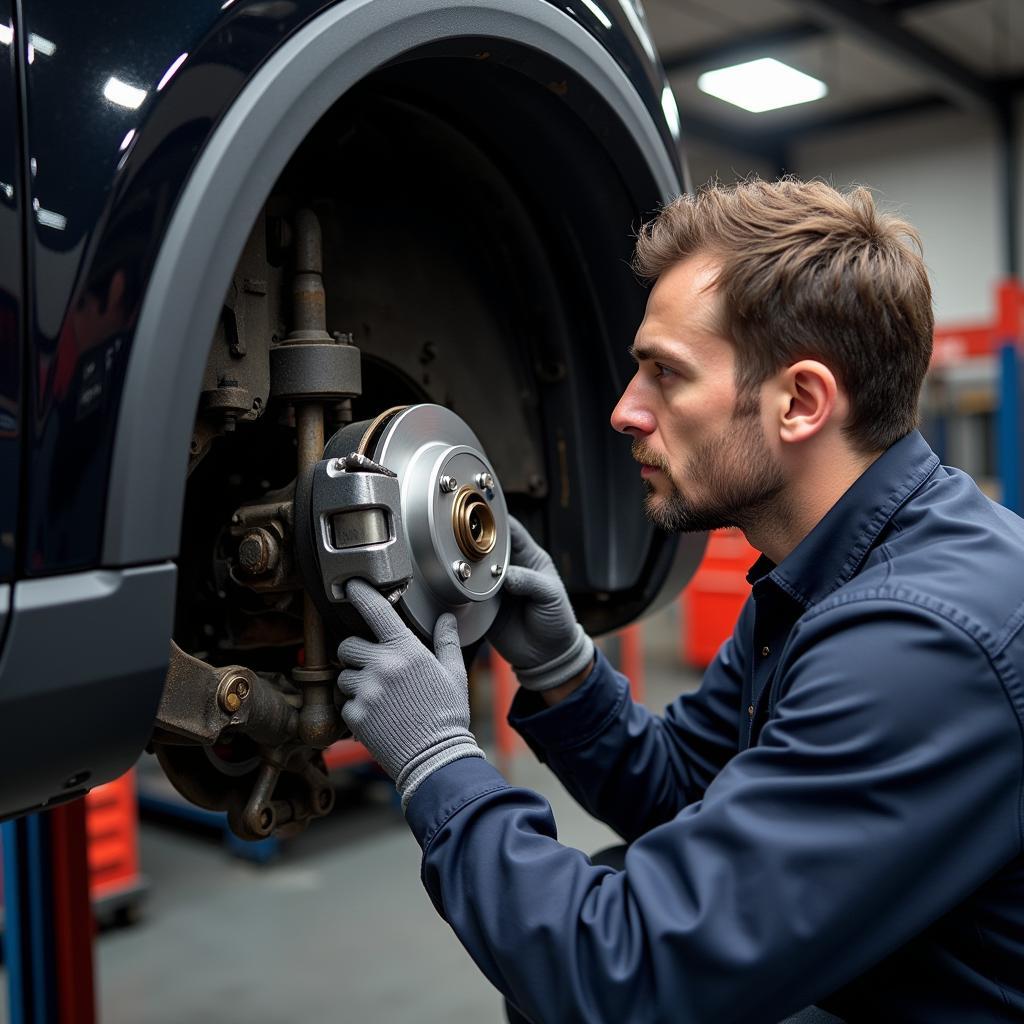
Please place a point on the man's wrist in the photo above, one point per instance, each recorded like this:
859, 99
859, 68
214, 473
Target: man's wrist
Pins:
559, 693
561, 670
452, 749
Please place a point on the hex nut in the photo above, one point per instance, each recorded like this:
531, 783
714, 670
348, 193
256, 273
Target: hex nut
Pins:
484, 481
448, 484
258, 552
462, 569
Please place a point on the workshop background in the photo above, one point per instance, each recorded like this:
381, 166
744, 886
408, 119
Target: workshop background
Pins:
923, 103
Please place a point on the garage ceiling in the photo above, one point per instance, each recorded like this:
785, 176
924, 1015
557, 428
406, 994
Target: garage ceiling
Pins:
879, 58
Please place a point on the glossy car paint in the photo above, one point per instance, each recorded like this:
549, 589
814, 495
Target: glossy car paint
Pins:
12, 194
110, 156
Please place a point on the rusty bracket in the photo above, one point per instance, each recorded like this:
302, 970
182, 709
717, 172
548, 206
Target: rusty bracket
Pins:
200, 702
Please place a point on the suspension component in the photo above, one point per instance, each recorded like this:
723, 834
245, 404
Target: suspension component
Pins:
312, 368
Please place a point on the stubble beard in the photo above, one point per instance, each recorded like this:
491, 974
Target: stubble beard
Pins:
741, 481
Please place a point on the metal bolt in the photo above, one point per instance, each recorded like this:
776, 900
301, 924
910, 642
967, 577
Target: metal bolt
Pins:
496, 570
258, 552
448, 484
462, 569
232, 692
338, 465
484, 481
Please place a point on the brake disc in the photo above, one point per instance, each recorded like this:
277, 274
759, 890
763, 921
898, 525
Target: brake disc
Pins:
409, 502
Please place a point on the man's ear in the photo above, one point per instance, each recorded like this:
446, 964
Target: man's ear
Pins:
809, 398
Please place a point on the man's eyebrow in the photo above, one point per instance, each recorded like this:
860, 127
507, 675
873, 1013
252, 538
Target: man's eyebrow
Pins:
645, 350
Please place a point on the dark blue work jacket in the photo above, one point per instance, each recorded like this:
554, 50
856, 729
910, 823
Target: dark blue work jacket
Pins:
835, 817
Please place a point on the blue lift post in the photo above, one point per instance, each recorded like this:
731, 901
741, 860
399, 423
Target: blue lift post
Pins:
1009, 425
1009, 344
28, 938
48, 918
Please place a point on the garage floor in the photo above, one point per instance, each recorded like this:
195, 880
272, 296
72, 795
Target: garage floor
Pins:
339, 928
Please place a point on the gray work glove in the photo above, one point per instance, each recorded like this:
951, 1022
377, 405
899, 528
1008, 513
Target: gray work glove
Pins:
536, 630
409, 707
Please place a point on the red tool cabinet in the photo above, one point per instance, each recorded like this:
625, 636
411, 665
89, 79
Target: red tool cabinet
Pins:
112, 830
712, 601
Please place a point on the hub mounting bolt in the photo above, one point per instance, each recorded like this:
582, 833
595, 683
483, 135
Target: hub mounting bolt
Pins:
462, 569
448, 484
484, 481
496, 570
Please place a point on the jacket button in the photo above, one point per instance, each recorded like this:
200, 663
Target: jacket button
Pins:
750, 711
765, 651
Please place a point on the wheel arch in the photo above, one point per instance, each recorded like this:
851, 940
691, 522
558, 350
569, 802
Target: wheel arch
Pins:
236, 171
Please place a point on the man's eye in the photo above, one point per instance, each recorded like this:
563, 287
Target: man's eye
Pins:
664, 371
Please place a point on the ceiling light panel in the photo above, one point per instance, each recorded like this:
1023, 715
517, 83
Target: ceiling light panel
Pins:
764, 84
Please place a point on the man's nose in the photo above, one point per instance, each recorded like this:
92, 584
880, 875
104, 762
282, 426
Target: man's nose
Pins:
631, 414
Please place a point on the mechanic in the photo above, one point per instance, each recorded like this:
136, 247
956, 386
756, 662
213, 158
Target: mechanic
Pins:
834, 819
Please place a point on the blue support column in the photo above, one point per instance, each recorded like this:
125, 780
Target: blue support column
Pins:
1009, 427
28, 921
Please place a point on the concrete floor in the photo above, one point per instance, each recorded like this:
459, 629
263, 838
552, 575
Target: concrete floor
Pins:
338, 929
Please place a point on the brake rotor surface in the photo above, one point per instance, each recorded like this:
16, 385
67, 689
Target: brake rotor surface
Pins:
454, 517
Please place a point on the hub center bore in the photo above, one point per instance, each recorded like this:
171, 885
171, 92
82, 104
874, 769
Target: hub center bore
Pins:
473, 524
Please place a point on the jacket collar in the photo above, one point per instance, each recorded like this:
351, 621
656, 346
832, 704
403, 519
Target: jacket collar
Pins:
835, 549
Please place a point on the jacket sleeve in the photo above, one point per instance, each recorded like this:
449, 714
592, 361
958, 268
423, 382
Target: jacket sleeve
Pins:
884, 789
630, 768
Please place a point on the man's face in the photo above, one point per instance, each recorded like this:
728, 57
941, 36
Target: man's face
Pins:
704, 455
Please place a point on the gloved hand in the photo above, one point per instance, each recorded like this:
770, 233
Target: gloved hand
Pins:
536, 629
407, 706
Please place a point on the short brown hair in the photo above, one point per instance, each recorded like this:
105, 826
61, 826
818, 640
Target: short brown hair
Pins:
808, 272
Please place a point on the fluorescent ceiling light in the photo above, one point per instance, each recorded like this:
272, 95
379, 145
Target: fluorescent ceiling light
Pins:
761, 85
123, 94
